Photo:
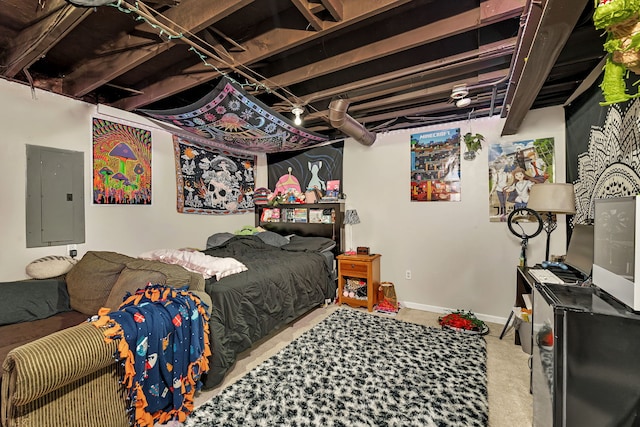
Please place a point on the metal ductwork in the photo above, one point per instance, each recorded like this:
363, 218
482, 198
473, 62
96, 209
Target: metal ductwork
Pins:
90, 3
340, 120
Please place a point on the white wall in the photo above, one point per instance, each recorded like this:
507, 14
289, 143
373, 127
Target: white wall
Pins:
458, 259
55, 121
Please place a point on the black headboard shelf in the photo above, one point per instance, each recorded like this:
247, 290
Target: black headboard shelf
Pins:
309, 219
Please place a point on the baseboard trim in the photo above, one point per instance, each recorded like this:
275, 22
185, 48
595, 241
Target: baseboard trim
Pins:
436, 309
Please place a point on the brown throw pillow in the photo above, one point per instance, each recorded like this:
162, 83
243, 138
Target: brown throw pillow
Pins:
130, 281
90, 281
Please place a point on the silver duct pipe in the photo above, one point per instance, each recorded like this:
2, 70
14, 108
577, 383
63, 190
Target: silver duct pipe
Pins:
90, 3
340, 120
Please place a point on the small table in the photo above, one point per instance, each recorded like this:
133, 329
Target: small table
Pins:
363, 267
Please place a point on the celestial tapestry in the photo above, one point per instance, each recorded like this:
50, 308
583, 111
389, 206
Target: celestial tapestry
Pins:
311, 168
232, 119
121, 164
435, 166
603, 150
514, 167
212, 181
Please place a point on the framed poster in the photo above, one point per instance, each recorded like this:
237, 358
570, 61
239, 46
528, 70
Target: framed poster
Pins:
435, 166
514, 167
121, 164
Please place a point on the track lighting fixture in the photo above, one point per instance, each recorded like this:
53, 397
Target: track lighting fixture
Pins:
297, 110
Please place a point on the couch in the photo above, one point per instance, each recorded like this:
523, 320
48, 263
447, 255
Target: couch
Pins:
69, 377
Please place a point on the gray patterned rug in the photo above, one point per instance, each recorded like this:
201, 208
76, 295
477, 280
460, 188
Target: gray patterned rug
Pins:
357, 369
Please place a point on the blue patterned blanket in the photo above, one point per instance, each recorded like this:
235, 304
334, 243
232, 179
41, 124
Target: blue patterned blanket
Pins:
163, 335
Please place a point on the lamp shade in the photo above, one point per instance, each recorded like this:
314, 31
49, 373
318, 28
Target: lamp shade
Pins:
351, 217
552, 197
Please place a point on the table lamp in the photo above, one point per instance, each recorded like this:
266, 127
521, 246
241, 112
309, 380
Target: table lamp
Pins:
350, 219
549, 199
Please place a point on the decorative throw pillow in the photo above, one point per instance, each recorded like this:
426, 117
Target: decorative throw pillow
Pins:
27, 300
197, 262
130, 280
217, 239
90, 281
272, 238
50, 266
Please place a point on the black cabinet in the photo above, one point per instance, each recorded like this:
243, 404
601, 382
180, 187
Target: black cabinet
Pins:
586, 359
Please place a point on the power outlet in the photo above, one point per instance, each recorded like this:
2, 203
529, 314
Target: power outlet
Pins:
407, 274
72, 250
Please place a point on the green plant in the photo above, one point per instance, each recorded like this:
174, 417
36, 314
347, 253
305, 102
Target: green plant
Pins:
473, 142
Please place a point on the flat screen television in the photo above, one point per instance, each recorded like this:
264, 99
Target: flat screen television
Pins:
616, 248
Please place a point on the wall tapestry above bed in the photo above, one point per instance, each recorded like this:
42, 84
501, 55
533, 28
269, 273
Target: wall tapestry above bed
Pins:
121, 164
603, 150
312, 168
212, 181
229, 116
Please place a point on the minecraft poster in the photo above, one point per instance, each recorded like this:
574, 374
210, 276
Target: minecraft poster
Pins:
435, 166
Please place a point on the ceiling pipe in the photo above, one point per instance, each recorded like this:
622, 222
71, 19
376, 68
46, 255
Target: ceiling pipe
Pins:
340, 120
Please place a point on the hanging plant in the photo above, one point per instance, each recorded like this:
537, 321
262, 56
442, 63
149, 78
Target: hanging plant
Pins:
473, 142
620, 18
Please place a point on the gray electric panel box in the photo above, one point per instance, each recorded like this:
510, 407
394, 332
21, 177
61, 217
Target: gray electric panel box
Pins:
55, 197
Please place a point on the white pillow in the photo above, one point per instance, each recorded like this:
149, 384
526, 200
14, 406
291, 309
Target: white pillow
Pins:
50, 266
197, 262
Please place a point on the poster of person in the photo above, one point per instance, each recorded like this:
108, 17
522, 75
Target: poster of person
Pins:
514, 167
435, 166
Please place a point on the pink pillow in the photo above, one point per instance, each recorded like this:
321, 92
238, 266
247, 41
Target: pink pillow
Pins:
197, 262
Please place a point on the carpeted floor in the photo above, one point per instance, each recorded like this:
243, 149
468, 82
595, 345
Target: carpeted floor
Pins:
354, 369
509, 400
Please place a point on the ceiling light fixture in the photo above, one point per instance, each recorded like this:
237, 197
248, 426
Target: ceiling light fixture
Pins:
459, 91
463, 102
297, 110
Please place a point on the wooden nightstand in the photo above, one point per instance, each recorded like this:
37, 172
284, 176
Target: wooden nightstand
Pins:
365, 268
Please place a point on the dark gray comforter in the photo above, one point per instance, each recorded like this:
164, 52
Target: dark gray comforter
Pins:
279, 286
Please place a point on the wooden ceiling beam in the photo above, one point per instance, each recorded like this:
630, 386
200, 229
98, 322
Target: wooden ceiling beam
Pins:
61, 17
304, 7
267, 44
190, 15
558, 19
471, 60
334, 7
439, 92
454, 25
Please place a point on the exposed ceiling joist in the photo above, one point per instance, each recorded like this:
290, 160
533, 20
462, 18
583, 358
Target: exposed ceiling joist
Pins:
270, 43
59, 17
429, 33
394, 61
557, 21
190, 16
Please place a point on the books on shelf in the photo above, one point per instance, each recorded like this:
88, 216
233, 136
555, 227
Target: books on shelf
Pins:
286, 215
270, 215
300, 215
328, 216
315, 216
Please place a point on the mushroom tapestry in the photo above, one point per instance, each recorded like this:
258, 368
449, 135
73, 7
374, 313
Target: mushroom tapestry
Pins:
121, 164
231, 119
211, 180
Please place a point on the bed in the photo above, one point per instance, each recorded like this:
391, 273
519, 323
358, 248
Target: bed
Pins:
285, 278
